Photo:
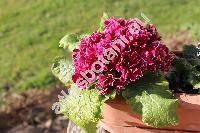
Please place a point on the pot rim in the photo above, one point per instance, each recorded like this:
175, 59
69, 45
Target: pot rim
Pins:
189, 101
186, 101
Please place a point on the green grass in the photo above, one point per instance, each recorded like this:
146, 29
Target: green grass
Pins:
31, 29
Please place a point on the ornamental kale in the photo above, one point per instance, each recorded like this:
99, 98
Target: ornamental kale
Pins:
126, 58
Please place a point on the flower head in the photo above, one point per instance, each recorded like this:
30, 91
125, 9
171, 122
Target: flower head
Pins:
126, 49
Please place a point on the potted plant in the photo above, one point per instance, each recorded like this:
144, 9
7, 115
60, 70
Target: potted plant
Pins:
125, 76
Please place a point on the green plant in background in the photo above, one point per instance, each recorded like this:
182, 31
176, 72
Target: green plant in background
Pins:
185, 73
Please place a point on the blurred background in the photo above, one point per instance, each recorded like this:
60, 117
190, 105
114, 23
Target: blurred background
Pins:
29, 34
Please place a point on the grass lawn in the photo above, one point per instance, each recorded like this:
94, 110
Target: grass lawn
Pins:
31, 29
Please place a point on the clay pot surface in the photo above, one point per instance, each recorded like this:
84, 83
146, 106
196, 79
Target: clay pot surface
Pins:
119, 118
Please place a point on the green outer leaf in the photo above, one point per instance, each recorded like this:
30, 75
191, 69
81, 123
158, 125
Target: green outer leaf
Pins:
70, 41
63, 70
83, 108
153, 100
196, 85
158, 111
103, 18
133, 93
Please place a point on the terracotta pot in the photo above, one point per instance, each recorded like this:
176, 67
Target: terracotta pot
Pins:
119, 118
